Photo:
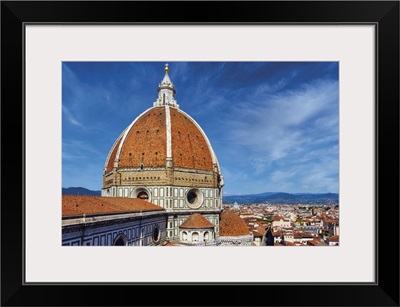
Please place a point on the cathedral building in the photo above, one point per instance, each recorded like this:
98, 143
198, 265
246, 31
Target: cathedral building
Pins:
165, 160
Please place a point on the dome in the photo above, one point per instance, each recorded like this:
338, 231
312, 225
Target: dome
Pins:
232, 224
196, 220
163, 146
159, 134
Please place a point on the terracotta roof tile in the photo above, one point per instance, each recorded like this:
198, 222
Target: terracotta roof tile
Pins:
168, 243
79, 205
232, 224
333, 239
297, 235
256, 233
189, 147
316, 242
262, 229
146, 142
196, 220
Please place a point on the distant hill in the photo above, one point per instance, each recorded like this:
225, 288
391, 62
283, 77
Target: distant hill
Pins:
80, 191
263, 198
283, 198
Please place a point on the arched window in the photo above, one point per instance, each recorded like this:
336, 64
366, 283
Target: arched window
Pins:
121, 240
195, 237
184, 236
206, 236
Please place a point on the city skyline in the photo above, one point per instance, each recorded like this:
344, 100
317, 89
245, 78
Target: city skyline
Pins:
274, 126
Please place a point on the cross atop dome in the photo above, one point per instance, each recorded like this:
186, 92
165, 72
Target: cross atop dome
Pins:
166, 91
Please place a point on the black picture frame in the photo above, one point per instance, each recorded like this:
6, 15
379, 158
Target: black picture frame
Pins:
383, 14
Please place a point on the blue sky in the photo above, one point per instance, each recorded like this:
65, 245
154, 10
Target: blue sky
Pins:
274, 126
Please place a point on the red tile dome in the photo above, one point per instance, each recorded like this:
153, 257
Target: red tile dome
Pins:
161, 133
232, 224
162, 146
196, 220
145, 142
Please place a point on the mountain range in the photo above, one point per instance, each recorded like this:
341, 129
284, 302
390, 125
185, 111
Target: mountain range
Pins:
284, 198
80, 191
262, 198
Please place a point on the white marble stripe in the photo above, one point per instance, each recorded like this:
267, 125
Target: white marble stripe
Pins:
168, 130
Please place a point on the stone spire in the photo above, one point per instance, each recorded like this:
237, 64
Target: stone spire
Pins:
166, 92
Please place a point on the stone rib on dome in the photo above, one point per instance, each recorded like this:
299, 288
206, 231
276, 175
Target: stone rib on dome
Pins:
232, 224
196, 220
112, 155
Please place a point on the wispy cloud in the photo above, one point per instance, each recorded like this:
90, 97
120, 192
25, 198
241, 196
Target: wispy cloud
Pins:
78, 149
273, 126
283, 122
288, 128
71, 118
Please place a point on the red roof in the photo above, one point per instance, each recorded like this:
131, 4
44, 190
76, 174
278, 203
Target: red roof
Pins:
146, 142
189, 147
168, 243
79, 205
196, 220
297, 235
256, 233
262, 229
232, 224
333, 239
316, 242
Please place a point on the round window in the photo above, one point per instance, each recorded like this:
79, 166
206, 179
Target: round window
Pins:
191, 197
143, 195
194, 198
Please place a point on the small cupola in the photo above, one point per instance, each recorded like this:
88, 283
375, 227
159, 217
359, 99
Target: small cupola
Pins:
166, 91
